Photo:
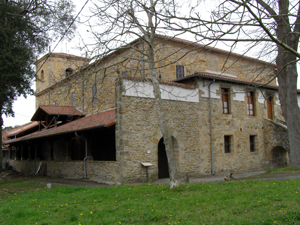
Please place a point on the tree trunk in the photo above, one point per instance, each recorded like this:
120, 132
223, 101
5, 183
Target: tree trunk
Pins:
287, 79
1, 153
174, 182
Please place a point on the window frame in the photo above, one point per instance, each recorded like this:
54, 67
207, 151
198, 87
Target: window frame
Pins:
228, 144
94, 93
68, 72
269, 102
42, 75
251, 102
253, 143
124, 73
225, 95
73, 99
180, 71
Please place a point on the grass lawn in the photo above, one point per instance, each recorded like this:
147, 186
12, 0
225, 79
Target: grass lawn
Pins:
248, 202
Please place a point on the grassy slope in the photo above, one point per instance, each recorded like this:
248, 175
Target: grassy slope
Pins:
250, 202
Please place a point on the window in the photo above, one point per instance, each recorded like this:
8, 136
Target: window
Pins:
270, 106
227, 144
94, 93
73, 99
124, 73
250, 103
179, 71
253, 143
42, 75
68, 72
225, 100
56, 102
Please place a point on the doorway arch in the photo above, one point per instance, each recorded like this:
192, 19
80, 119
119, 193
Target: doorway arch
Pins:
163, 168
279, 157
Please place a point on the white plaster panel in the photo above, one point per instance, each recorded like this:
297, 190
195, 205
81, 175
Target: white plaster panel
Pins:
239, 93
203, 86
145, 90
298, 98
277, 101
261, 98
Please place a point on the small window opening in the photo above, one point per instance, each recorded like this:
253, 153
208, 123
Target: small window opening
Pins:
253, 143
69, 71
180, 71
227, 144
42, 75
124, 73
225, 100
73, 99
94, 93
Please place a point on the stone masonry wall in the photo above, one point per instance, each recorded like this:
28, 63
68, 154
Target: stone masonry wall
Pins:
275, 135
104, 73
102, 171
138, 133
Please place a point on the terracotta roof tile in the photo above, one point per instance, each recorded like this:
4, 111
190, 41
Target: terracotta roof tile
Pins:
22, 129
226, 78
106, 118
61, 55
61, 110
55, 110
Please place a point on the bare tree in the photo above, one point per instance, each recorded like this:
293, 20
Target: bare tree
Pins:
269, 25
116, 24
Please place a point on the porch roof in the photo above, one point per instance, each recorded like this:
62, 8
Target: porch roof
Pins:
43, 111
21, 129
103, 119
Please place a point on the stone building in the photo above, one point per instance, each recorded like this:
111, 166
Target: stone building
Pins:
97, 120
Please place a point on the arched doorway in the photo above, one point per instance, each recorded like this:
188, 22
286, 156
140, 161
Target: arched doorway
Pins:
163, 168
279, 157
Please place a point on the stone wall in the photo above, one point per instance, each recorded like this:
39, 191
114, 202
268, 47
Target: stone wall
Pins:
98, 170
275, 136
103, 171
24, 167
138, 133
201, 60
5, 157
104, 73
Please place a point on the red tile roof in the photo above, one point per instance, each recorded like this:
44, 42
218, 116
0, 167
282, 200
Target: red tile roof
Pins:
55, 110
21, 129
61, 55
228, 79
103, 119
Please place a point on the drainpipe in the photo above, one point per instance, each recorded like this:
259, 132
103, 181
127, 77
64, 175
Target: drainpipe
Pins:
34, 156
84, 160
211, 134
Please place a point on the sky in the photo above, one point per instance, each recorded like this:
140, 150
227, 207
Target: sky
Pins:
25, 108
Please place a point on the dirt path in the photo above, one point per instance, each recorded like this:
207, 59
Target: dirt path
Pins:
257, 175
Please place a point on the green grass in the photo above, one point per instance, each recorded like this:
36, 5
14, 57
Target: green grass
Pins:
248, 202
285, 169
